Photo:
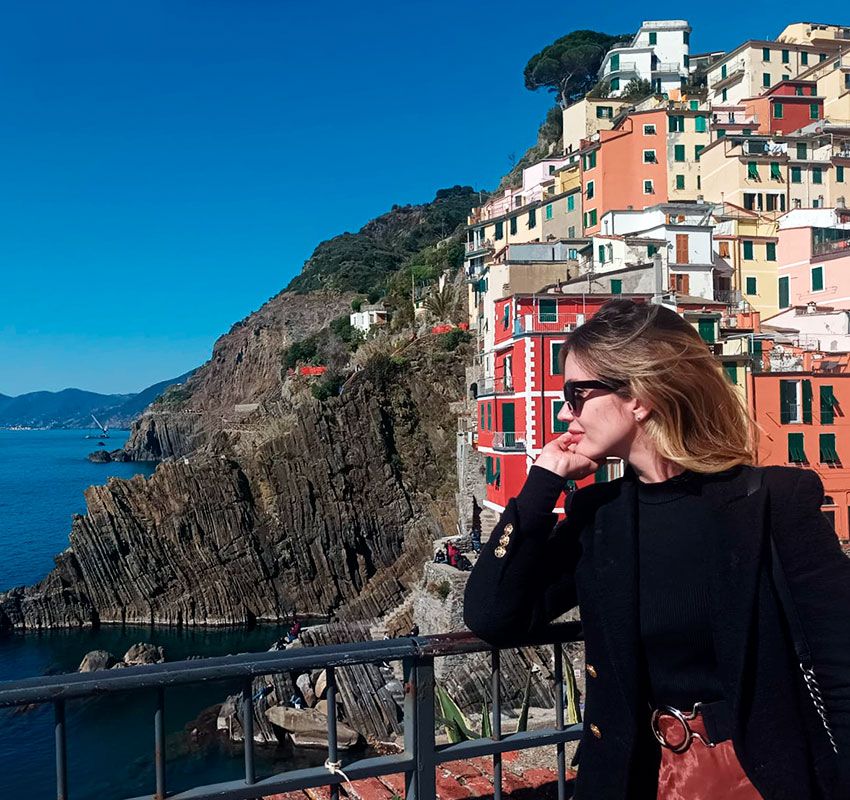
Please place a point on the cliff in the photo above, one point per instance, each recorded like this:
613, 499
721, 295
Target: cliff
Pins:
324, 503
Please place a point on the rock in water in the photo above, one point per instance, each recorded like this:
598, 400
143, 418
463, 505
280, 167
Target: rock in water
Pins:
97, 660
100, 457
308, 728
143, 653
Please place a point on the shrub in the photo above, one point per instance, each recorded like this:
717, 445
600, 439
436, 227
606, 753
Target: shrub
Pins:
450, 341
305, 350
443, 589
328, 386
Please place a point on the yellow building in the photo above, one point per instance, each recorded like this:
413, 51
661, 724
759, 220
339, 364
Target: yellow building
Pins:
833, 85
819, 165
587, 117
816, 34
684, 148
746, 241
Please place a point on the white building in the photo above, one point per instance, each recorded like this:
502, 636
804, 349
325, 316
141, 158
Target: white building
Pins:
659, 53
368, 317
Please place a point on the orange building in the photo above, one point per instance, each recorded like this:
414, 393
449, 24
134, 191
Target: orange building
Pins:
649, 157
798, 398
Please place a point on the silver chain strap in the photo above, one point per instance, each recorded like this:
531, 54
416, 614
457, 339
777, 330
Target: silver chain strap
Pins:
817, 699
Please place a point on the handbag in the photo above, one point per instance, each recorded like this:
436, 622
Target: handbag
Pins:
801, 644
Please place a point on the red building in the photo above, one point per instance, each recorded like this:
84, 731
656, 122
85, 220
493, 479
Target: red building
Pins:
786, 107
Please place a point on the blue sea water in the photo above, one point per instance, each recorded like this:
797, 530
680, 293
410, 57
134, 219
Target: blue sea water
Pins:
110, 740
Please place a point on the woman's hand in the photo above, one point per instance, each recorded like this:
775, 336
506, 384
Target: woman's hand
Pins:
558, 456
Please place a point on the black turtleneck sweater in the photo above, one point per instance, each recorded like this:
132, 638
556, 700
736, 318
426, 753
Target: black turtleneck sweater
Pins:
674, 528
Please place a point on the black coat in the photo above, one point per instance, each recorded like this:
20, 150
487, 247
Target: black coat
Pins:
590, 560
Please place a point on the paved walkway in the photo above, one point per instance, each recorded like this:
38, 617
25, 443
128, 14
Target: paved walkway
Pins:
456, 780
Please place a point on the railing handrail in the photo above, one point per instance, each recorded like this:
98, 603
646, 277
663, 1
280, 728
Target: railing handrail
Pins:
50, 688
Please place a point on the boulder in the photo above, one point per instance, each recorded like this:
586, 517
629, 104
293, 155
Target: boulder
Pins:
100, 457
321, 684
303, 684
322, 707
309, 728
97, 659
143, 653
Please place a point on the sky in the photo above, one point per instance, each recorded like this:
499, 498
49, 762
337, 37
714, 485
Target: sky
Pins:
166, 167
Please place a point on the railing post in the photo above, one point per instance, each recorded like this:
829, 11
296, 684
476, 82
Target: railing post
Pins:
559, 719
419, 720
61, 753
332, 740
496, 694
248, 730
159, 743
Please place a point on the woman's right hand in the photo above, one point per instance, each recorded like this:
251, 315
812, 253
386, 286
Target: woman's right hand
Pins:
558, 457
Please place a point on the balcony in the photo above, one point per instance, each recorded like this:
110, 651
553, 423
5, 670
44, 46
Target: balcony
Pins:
478, 247
500, 385
510, 441
543, 322
667, 67
416, 766
728, 296
628, 67
829, 241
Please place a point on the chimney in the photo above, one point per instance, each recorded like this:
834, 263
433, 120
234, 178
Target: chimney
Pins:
659, 278
811, 307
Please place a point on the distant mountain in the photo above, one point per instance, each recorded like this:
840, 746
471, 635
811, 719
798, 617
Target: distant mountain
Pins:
72, 408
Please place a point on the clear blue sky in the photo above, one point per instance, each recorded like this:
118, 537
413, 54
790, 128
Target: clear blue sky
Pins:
166, 167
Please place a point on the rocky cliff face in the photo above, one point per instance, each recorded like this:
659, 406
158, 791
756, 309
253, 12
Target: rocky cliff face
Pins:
332, 502
244, 371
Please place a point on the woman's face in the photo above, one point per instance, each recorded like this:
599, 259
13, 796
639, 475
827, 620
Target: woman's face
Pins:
605, 422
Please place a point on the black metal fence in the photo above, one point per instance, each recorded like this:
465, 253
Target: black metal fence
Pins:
421, 754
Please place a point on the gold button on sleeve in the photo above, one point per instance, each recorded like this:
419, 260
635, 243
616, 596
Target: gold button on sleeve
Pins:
508, 529
594, 729
504, 540
500, 552
591, 670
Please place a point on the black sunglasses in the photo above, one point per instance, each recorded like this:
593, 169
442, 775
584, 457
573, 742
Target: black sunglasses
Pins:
574, 401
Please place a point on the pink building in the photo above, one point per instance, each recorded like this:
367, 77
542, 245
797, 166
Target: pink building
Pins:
814, 257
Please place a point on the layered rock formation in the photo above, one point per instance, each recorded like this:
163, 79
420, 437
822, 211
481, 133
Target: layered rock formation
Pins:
333, 502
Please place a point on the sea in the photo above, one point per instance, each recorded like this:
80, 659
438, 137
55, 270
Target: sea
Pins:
110, 740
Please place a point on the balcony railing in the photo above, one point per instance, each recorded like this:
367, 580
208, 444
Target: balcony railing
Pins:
730, 296
500, 385
421, 755
542, 322
623, 66
512, 441
667, 66
825, 248
478, 247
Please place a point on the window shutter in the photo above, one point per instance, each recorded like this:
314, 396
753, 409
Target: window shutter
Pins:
784, 298
748, 250
827, 402
681, 248
558, 426
787, 401
827, 449
796, 450
817, 279
807, 401
731, 371
770, 250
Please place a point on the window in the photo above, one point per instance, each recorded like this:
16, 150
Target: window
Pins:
814, 111
571, 203
615, 62
817, 279
649, 130
489, 416
571, 233
648, 187
804, 58
590, 188
547, 311
679, 152
795, 402
723, 74
572, 252
698, 148
749, 201
700, 124
731, 369
802, 151
601, 250
500, 232
590, 160
616, 286
784, 295
481, 426
748, 250
686, 60
604, 112
549, 211
676, 123
827, 406
724, 96
796, 175
752, 171
796, 451
786, 56
751, 286
615, 83
513, 225
593, 217
839, 173
827, 449
822, 57
765, 54
686, 37
682, 248
649, 157
558, 426
653, 37
771, 201
775, 174
680, 181
765, 80
747, 132
798, 91
817, 175
532, 218
706, 330
723, 249
506, 316
770, 251
555, 358
693, 105
778, 110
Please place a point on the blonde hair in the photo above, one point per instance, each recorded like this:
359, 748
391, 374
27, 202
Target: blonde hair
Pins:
698, 419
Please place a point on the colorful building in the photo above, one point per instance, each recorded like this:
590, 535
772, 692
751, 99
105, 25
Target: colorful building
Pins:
586, 117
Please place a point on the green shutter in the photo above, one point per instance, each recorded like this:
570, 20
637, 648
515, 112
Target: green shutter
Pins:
784, 295
752, 171
787, 401
489, 463
699, 124
785, 56
814, 111
571, 203
804, 59
698, 148
616, 286
558, 426
532, 217
807, 401
817, 279
796, 451
601, 250
706, 330
751, 286
489, 416
549, 211
839, 173
651, 250
827, 406
593, 217
802, 151
796, 175
547, 311
723, 72
765, 79
770, 251
775, 174
731, 371
778, 110
500, 231
615, 84
556, 359
653, 37
513, 225
765, 54
828, 455
615, 62
817, 175
748, 250
679, 152
680, 181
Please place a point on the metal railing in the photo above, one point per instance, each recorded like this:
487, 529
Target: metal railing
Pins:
545, 322
668, 66
623, 66
480, 246
421, 754
509, 440
499, 385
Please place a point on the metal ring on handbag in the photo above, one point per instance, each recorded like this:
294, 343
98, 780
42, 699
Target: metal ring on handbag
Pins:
682, 718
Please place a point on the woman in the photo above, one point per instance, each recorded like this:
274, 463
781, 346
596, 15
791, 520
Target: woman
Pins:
693, 689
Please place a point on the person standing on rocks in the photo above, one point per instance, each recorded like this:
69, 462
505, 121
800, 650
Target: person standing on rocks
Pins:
704, 582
